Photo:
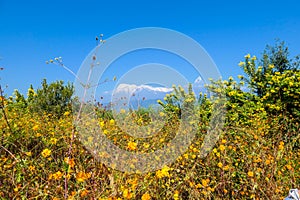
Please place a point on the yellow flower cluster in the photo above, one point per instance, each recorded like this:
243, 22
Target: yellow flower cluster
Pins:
164, 172
131, 145
46, 153
56, 176
82, 176
70, 161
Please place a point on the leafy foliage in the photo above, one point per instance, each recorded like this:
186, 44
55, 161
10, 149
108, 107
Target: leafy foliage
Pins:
54, 98
275, 81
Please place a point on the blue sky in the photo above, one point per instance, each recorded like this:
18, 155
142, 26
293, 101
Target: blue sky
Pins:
34, 31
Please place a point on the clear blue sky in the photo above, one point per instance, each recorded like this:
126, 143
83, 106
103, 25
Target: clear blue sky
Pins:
31, 32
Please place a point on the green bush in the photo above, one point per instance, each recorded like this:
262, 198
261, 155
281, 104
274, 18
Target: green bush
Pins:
54, 98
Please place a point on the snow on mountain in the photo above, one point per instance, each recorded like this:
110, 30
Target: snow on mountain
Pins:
133, 95
131, 89
198, 81
126, 94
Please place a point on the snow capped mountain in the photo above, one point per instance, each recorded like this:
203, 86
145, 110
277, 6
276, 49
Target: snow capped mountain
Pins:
130, 89
198, 80
131, 95
148, 91
144, 95
136, 92
198, 85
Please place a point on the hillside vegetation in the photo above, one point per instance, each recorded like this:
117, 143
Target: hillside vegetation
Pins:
257, 155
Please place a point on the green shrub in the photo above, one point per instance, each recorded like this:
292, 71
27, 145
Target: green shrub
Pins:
54, 98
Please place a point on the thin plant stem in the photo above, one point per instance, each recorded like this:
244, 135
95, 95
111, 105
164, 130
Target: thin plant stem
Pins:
86, 87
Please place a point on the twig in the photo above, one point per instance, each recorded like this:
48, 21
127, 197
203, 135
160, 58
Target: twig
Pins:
9, 152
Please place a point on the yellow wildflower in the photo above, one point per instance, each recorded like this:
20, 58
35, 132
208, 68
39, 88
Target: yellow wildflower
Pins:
215, 150
46, 153
84, 192
31, 168
101, 123
127, 194
271, 66
58, 175
272, 91
164, 172
38, 135
176, 195
231, 93
70, 161
67, 113
205, 182
289, 167
226, 168
112, 122
281, 146
82, 176
53, 140
131, 145
186, 156
220, 165
35, 128
146, 145
250, 174
222, 147
146, 196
